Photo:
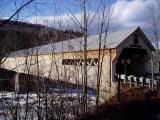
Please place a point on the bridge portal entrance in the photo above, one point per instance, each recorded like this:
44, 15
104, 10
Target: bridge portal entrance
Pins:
132, 62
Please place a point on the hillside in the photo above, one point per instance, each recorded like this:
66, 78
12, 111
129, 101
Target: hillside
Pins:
18, 35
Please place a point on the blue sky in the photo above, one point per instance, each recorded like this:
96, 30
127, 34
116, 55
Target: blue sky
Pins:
125, 13
45, 7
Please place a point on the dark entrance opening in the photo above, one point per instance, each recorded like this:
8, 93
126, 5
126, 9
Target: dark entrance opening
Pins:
132, 62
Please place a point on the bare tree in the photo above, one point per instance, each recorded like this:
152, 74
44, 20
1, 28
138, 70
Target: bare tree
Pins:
7, 45
104, 27
153, 23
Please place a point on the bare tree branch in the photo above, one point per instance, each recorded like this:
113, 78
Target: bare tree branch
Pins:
17, 11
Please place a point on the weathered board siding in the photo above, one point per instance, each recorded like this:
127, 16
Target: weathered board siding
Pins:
51, 64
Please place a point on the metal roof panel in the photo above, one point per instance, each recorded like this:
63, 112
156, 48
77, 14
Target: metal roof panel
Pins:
109, 40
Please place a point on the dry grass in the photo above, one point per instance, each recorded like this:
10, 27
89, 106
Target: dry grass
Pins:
131, 107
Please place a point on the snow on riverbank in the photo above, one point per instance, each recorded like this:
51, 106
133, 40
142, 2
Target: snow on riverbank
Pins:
64, 103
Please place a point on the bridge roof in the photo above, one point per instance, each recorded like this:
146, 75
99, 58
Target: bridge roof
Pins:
109, 40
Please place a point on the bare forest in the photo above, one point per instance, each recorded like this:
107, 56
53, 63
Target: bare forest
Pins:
34, 94
40, 97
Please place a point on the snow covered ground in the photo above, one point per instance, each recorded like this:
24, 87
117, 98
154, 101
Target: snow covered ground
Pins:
58, 103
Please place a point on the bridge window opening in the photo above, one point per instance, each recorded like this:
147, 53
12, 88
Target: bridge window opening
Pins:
90, 61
